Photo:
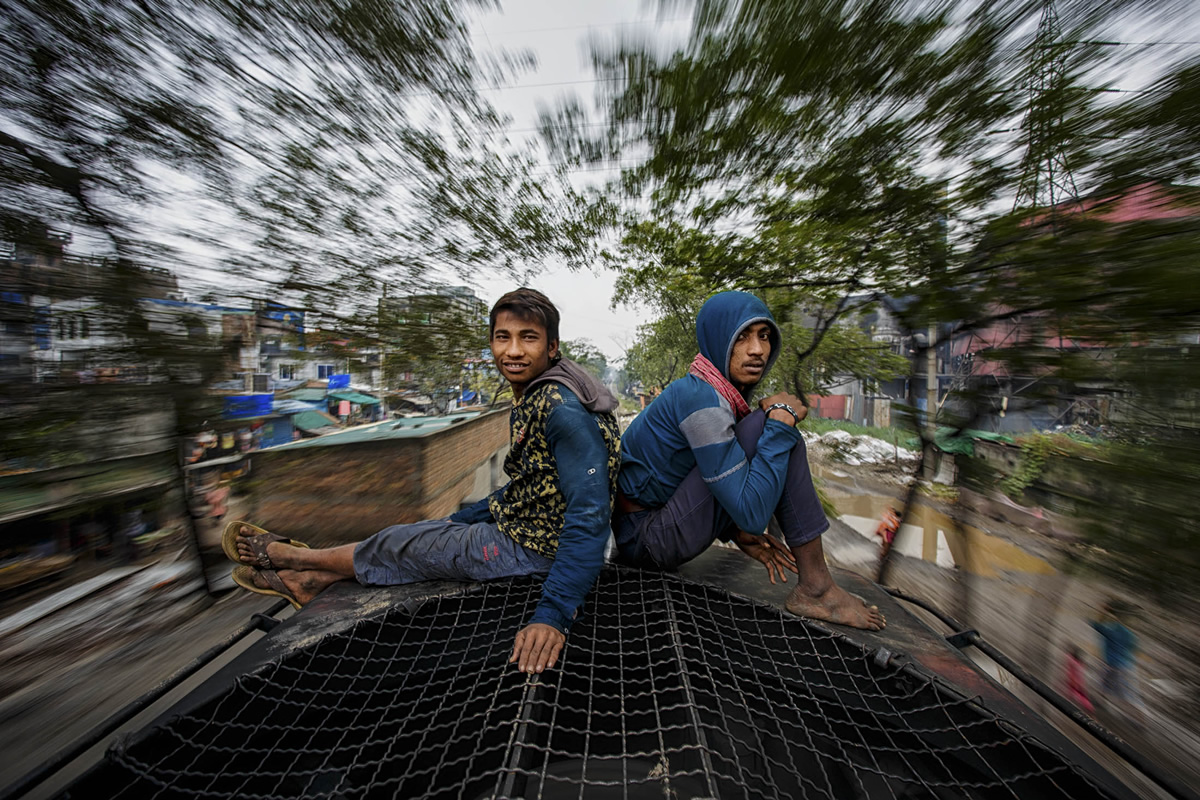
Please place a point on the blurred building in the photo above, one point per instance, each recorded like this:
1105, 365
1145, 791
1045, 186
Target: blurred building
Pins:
1005, 399
432, 344
1019, 400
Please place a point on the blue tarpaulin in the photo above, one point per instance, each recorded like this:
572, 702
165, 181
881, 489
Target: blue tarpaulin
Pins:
276, 432
247, 405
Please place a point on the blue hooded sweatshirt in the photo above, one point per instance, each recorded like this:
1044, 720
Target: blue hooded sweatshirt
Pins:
690, 425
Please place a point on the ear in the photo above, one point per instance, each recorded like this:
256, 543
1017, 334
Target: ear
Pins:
552, 350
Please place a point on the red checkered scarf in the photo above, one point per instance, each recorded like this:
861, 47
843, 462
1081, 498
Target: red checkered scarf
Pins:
703, 369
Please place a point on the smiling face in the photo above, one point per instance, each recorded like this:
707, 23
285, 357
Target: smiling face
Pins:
521, 349
751, 350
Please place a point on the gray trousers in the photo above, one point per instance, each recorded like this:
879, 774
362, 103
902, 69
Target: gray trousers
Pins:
438, 549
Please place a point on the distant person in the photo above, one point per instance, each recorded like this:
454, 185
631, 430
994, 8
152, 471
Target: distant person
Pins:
1120, 648
889, 525
697, 465
1075, 680
551, 518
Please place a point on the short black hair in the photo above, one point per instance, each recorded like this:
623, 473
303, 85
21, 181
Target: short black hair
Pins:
528, 305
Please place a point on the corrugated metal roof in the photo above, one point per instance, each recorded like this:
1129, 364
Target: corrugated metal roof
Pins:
313, 420
355, 397
392, 429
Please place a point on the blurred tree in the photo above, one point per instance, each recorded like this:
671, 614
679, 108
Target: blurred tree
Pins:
301, 153
845, 351
662, 352
830, 149
586, 355
427, 340
827, 147
325, 147
298, 152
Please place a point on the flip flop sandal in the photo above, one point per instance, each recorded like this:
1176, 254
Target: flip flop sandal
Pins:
244, 576
259, 540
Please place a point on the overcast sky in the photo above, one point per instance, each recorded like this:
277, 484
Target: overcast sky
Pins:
557, 33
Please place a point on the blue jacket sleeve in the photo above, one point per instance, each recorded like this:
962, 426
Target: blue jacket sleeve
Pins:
582, 461
748, 489
479, 511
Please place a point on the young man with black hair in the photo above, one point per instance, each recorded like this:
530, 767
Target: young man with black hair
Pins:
551, 519
698, 465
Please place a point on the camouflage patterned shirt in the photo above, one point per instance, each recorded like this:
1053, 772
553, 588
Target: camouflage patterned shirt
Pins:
532, 508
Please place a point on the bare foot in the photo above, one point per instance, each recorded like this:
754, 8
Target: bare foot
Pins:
304, 585
835, 605
280, 553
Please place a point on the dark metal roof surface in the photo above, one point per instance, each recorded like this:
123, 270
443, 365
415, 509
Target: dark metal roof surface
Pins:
670, 686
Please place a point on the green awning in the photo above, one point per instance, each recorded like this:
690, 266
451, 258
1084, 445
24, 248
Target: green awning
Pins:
355, 397
312, 420
305, 395
951, 440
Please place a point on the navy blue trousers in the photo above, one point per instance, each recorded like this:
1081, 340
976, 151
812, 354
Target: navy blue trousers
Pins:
665, 538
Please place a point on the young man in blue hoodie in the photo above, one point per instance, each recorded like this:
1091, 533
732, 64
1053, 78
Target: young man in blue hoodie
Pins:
551, 519
697, 466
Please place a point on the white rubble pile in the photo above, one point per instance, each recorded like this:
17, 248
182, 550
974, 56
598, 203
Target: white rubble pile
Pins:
855, 450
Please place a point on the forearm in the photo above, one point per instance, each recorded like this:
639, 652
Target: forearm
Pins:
751, 494
581, 459
576, 565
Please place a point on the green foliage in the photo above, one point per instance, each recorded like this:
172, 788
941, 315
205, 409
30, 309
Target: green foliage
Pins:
662, 352
586, 355
827, 505
1035, 450
830, 151
811, 365
1139, 518
938, 491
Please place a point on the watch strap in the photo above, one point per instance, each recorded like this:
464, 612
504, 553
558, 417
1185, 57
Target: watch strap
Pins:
786, 408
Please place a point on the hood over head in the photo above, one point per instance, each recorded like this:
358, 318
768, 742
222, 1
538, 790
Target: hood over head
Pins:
591, 393
722, 317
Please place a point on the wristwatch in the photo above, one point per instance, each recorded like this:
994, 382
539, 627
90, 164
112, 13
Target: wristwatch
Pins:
786, 408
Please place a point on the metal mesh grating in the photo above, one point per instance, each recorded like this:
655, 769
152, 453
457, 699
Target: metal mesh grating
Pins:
668, 689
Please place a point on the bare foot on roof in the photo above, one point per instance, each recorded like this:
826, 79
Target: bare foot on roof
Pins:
834, 604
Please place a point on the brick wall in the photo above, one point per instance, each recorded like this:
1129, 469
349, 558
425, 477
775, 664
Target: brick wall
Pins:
342, 493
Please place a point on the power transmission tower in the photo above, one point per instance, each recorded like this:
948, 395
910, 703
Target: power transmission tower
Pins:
1046, 180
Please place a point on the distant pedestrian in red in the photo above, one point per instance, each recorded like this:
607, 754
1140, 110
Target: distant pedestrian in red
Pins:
1076, 681
888, 526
